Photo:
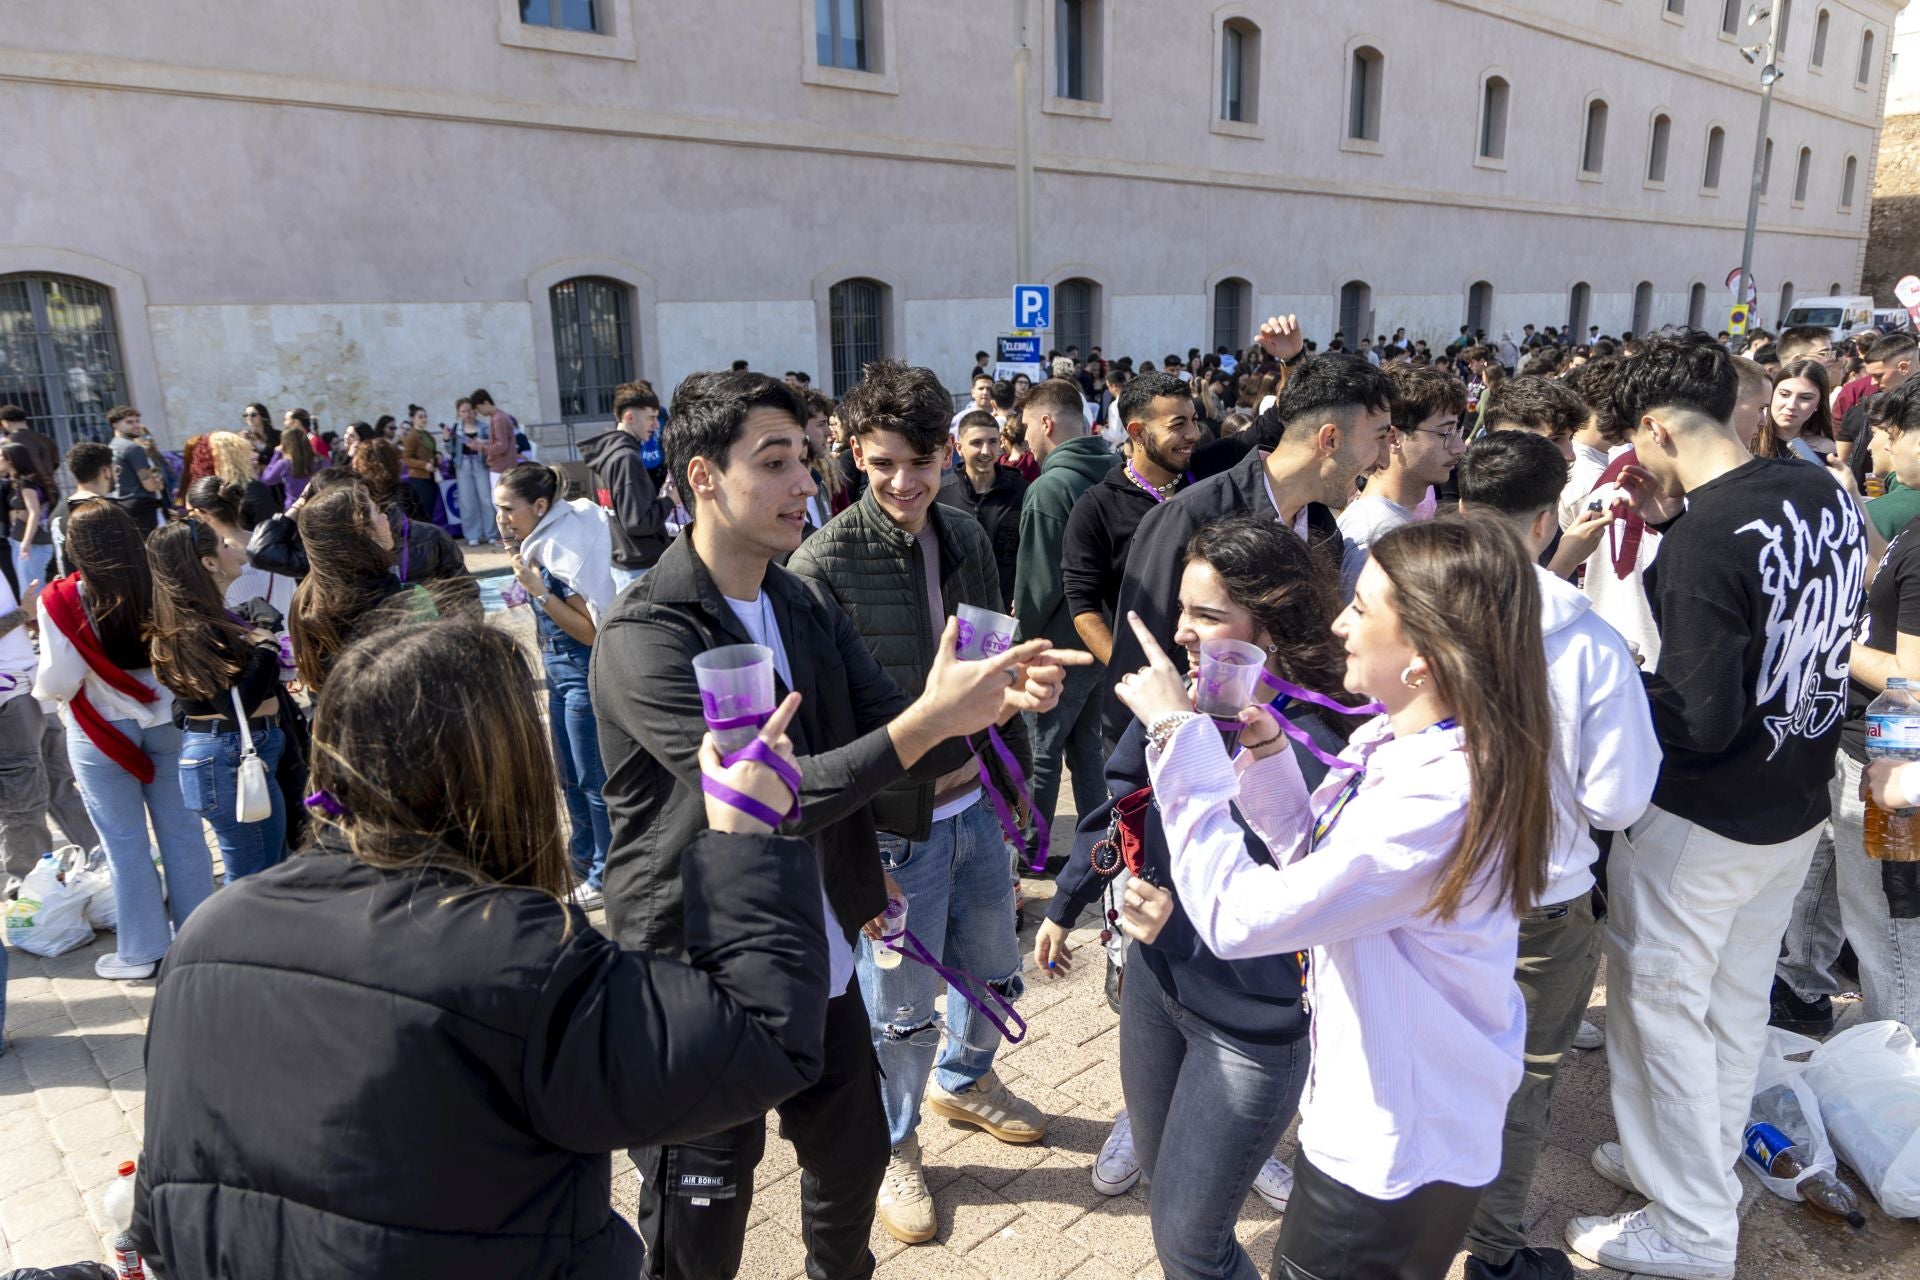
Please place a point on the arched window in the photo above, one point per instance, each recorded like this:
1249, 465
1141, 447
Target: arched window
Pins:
1716, 148
1865, 73
1479, 306
1786, 302
1642, 308
857, 329
1577, 303
1657, 149
592, 344
1766, 167
1493, 119
1232, 303
1820, 25
1833, 290
1697, 307
60, 355
1076, 305
1848, 174
1802, 172
1365, 79
1356, 312
1239, 71
1593, 144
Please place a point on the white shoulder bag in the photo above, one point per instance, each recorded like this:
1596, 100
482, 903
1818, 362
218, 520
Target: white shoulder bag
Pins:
254, 802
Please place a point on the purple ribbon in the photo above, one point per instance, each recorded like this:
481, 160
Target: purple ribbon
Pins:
759, 751
1005, 813
740, 800
963, 982
406, 527
323, 802
1287, 689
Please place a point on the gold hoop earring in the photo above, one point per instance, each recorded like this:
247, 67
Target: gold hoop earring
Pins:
1408, 679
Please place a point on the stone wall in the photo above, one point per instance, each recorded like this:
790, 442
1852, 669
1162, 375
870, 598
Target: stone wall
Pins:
1893, 234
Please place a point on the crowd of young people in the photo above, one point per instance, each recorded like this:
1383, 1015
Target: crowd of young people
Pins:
1555, 645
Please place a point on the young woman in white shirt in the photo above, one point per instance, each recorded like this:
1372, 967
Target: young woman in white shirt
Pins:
1401, 875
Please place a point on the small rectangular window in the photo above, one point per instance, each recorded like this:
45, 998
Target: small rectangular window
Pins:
1657, 149
1593, 147
1365, 78
1070, 49
1730, 17
568, 15
1716, 144
1676, 7
1493, 120
1232, 78
840, 34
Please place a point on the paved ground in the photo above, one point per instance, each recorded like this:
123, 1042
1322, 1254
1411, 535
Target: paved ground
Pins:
72, 1094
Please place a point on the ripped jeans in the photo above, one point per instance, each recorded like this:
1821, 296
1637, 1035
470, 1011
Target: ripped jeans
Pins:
959, 887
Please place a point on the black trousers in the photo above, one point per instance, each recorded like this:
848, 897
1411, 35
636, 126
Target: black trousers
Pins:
1332, 1232
694, 1198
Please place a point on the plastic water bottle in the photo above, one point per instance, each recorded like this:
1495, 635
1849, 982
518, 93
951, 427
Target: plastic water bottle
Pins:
119, 1206
1893, 732
893, 927
1776, 1156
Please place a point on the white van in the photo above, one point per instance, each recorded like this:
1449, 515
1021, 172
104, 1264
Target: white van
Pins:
1841, 316
1892, 319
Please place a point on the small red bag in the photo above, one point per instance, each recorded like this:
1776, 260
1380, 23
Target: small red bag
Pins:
1126, 838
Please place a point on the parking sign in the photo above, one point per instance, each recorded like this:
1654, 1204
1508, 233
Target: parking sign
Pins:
1032, 306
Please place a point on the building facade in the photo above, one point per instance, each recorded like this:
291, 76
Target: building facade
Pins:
356, 205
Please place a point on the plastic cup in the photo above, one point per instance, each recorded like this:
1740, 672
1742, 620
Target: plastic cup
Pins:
1228, 675
736, 692
984, 633
893, 928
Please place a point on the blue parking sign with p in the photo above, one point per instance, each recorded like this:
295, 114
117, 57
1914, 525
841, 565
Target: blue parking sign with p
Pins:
1032, 306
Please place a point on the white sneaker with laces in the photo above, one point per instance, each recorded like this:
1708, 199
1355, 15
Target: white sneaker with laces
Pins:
1589, 1037
112, 966
1630, 1242
1611, 1163
1116, 1168
1275, 1184
586, 897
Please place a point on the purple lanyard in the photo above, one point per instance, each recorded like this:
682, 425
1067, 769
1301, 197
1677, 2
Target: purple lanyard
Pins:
1287, 689
1152, 492
406, 527
960, 980
1005, 813
760, 751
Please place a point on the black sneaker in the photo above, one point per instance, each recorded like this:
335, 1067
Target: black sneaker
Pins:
1802, 1017
1527, 1264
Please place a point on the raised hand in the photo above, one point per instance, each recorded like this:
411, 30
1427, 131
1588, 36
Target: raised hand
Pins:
1281, 338
1156, 690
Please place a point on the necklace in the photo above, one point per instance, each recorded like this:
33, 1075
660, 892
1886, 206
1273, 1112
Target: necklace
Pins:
1158, 493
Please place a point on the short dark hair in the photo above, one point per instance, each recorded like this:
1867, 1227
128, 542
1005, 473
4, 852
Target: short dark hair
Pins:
1421, 391
976, 420
1334, 387
1516, 473
1059, 397
633, 395
1794, 343
1137, 396
739, 366
978, 375
1003, 395
480, 397
708, 411
905, 399
1892, 346
88, 459
1690, 372
1897, 410
120, 411
1593, 382
979, 355
1533, 402
12, 413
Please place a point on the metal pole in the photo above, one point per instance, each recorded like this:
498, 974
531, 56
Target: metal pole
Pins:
1759, 162
1022, 150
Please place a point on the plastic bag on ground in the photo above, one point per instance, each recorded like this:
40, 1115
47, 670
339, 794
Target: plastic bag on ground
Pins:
103, 906
49, 916
1868, 1081
1783, 1098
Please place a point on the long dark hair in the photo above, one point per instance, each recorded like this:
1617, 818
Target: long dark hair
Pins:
1768, 443
197, 648
302, 462
104, 544
377, 462
1271, 574
1470, 605
346, 578
408, 741
217, 498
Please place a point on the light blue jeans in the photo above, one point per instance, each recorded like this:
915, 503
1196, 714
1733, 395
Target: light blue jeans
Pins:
476, 498
34, 569
210, 787
959, 887
120, 806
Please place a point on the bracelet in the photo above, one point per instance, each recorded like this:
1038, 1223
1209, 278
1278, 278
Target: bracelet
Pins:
1165, 727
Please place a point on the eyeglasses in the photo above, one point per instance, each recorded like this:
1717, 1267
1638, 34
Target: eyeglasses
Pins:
1452, 435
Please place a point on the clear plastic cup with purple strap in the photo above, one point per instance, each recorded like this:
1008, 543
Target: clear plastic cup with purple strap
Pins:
736, 692
893, 929
984, 633
1228, 678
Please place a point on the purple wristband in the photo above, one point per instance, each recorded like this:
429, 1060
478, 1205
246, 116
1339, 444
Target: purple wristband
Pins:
740, 800
760, 752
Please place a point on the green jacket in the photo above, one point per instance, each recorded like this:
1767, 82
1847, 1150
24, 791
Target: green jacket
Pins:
867, 565
1039, 590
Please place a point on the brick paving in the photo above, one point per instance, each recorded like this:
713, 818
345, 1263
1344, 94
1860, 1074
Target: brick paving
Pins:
72, 1091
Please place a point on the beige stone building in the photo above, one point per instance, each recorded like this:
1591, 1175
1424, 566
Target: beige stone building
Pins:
357, 204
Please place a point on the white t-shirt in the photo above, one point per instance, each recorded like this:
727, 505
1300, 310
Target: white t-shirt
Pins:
756, 615
1364, 520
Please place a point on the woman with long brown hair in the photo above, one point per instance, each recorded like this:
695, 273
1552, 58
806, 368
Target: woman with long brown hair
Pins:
1402, 874
350, 585
1798, 421
222, 669
293, 465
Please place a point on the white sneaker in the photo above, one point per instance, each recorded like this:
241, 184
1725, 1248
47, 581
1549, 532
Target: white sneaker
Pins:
586, 897
1116, 1168
1588, 1037
112, 966
1275, 1184
1611, 1163
1630, 1242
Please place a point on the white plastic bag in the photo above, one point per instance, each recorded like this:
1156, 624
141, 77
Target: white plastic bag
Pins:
1805, 1129
1868, 1083
103, 905
49, 917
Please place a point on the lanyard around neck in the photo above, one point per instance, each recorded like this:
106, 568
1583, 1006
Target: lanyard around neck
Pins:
1324, 824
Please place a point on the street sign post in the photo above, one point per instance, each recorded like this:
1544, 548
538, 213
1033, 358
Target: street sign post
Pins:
1737, 320
1032, 306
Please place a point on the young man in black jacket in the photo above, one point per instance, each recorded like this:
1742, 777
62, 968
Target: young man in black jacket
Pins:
1756, 592
736, 450
1334, 417
621, 483
1157, 410
989, 492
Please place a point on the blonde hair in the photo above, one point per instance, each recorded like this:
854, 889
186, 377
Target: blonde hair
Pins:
233, 458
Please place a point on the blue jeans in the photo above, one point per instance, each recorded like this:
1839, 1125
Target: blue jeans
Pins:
576, 751
475, 485
1207, 1108
959, 887
120, 806
1070, 732
39, 556
210, 786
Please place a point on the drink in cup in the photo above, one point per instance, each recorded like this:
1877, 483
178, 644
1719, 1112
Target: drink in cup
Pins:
736, 692
1227, 678
984, 633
